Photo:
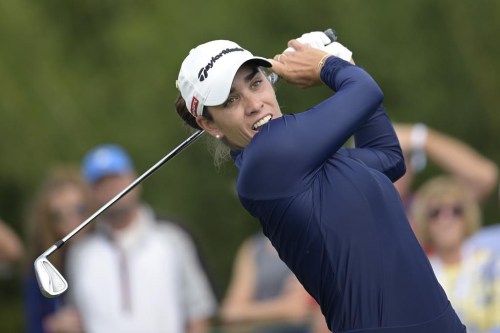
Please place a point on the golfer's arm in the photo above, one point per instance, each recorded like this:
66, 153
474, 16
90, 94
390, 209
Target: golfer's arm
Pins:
326, 127
378, 147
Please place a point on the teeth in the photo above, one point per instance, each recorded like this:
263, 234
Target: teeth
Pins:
261, 122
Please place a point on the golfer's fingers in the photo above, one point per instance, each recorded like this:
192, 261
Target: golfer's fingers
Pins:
298, 46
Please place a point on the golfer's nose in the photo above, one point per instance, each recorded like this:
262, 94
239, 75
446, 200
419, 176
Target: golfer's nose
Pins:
253, 105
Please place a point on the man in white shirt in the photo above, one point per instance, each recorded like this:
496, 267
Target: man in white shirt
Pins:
135, 273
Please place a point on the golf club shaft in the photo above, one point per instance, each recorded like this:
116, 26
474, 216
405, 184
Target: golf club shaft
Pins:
146, 174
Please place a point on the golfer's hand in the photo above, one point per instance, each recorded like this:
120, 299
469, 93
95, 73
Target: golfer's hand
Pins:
319, 40
302, 67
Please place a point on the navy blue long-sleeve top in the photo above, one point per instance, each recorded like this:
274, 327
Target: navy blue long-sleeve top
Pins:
333, 213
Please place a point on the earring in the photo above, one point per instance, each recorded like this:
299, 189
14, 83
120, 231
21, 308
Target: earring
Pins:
217, 136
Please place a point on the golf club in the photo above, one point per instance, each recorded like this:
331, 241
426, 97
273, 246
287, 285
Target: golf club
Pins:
50, 280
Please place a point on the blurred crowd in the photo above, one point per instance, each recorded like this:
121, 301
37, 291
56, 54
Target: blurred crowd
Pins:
137, 271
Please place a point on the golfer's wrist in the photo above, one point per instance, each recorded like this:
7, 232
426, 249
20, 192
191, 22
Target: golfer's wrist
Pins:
330, 67
322, 61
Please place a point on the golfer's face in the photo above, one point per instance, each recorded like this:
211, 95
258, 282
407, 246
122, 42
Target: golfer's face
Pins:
251, 103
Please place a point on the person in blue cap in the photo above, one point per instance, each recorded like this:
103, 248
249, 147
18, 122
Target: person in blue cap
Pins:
332, 213
136, 272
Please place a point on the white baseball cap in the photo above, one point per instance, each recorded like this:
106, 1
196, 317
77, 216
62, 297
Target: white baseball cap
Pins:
208, 71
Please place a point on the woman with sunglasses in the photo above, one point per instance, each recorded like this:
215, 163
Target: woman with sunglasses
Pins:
446, 216
60, 205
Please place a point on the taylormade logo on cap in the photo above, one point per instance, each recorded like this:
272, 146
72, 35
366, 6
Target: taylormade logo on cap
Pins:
203, 74
208, 71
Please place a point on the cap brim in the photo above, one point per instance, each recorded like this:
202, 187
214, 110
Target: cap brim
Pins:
224, 85
261, 61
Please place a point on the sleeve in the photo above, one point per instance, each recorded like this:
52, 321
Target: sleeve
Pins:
378, 147
290, 149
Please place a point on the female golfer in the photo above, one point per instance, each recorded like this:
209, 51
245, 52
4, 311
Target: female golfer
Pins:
331, 212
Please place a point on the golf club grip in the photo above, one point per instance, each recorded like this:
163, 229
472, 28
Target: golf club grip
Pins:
332, 34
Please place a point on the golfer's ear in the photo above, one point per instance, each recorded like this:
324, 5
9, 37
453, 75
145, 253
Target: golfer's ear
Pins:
209, 126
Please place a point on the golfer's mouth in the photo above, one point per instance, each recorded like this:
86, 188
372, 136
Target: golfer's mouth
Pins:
261, 122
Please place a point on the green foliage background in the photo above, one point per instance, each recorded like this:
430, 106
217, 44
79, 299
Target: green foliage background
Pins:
77, 73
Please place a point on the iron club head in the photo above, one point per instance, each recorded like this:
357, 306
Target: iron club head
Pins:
50, 281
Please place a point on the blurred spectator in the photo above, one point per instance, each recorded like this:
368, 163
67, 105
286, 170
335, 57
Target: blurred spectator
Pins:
11, 248
446, 215
419, 143
135, 273
60, 205
318, 321
264, 291
489, 236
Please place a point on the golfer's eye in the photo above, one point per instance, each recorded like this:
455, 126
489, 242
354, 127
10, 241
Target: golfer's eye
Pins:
256, 83
230, 101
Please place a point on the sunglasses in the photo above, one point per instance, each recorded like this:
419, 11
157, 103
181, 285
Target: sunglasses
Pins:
63, 214
456, 210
